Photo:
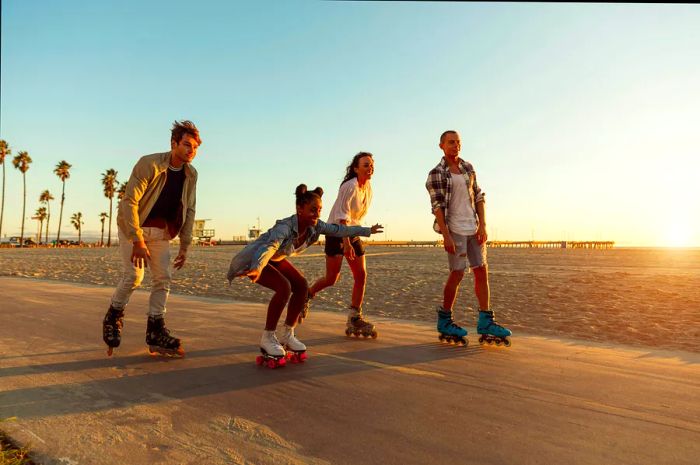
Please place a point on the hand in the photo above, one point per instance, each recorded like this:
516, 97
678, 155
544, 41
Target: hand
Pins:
140, 255
254, 275
448, 243
377, 228
481, 235
180, 259
349, 251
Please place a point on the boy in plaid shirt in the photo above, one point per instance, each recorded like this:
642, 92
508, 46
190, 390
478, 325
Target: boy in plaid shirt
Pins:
459, 208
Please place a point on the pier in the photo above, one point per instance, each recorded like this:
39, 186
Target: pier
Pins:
600, 245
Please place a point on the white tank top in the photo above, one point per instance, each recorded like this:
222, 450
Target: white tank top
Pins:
460, 212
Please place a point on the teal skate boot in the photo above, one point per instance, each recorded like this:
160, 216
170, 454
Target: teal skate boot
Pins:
448, 329
491, 332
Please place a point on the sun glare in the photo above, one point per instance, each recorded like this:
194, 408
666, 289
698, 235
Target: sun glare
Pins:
678, 236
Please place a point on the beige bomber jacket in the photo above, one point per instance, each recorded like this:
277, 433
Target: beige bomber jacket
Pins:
145, 185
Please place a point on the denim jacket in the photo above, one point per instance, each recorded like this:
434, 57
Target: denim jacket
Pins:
278, 243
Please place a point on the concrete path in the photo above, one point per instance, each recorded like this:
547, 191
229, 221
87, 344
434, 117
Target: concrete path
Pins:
401, 399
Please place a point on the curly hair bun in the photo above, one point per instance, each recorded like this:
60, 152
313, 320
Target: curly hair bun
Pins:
300, 190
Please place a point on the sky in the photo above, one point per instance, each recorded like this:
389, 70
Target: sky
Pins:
581, 120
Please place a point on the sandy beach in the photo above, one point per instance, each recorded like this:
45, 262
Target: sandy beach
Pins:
637, 297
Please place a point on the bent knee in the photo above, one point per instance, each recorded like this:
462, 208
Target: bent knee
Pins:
458, 274
299, 285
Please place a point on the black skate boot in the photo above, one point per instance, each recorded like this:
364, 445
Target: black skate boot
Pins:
112, 328
159, 339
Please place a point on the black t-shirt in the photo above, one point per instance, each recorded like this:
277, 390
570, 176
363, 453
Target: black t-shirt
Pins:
169, 201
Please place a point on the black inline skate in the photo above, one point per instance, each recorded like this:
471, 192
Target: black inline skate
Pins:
112, 328
159, 339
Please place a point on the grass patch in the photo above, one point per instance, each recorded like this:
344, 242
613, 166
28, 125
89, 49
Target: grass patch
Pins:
11, 453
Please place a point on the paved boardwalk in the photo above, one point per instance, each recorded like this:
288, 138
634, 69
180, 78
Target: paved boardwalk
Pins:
401, 399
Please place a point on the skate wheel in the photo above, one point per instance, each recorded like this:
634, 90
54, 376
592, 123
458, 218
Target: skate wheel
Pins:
498, 343
365, 335
271, 363
303, 356
481, 340
348, 332
109, 351
281, 362
259, 360
506, 342
374, 334
441, 338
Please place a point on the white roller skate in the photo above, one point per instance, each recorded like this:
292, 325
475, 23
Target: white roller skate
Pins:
296, 350
273, 354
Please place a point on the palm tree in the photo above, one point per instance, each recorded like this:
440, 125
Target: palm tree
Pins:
41, 216
109, 184
77, 222
4, 151
21, 162
62, 170
46, 198
103, 217
121, 192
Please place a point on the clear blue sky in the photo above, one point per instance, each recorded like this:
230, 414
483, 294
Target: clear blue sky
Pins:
581, 120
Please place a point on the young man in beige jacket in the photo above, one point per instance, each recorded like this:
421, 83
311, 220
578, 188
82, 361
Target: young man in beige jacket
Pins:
158, 206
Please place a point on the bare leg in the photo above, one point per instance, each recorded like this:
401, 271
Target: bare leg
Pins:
271, 278
481, 287
359, 273
451, 287
299, 288
332, 276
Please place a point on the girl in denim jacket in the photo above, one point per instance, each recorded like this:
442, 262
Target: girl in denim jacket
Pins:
265, 262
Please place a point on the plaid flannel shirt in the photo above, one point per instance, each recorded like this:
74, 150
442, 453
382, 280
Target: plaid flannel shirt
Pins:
439, 185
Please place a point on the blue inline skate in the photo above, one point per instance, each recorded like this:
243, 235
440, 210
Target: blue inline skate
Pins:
448, 330
491, 332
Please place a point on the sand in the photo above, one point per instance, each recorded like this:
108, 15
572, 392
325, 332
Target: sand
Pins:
638, 297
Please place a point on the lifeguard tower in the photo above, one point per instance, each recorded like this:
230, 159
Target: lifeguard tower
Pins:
201, 234
254, 232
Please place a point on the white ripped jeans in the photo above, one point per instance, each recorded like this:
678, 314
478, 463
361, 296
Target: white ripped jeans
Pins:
158, 243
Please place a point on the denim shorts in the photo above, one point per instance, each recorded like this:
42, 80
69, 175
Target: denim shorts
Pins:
467, 249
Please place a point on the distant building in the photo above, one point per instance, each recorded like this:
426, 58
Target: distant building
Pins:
200, 234
254, 232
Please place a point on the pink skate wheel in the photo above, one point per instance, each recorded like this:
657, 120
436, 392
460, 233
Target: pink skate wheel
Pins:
271, 364
302, 356
281, 362
259, 360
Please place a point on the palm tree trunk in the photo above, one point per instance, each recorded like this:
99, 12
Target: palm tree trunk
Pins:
80, 235
60, 214
109, 233
24, 208
102, 237
2, 207
41, 226
48, 217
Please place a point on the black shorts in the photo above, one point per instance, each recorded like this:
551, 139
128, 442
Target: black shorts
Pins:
334, 246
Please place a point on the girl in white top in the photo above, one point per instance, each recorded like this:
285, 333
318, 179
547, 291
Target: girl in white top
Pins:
354, 198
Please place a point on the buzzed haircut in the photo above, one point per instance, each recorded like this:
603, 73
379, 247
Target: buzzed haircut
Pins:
449, 131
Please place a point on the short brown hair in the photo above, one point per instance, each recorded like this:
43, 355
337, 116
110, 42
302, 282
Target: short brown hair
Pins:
180, 128
449, 131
